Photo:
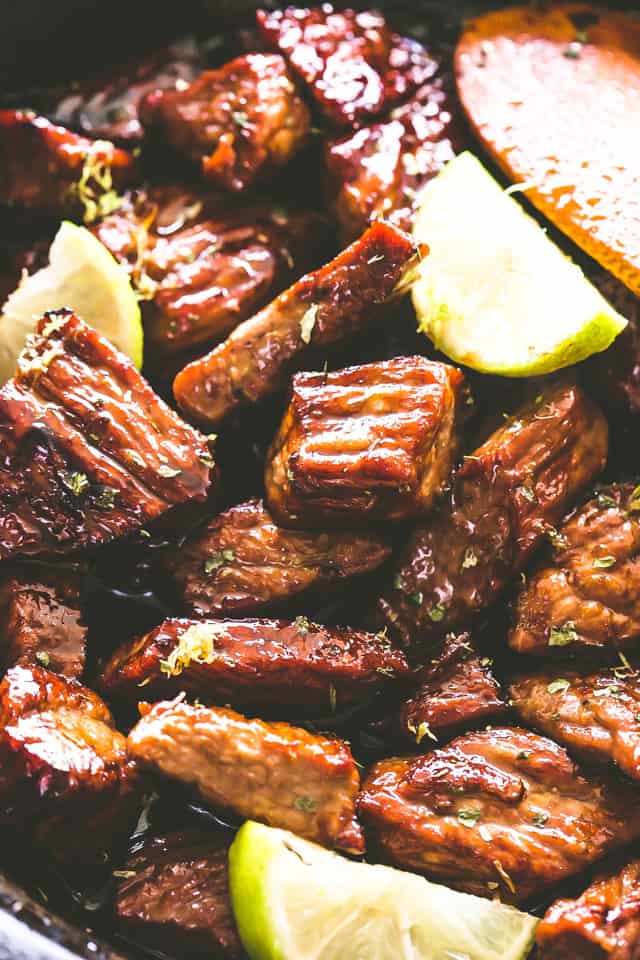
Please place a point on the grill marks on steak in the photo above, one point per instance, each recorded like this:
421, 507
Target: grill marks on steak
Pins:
88, 452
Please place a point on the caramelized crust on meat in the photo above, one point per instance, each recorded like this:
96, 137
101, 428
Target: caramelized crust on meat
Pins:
455, 690
603, 923
594, 715
320, 309
40, 163
65, 774
589, 595
242, 563
41, 621
380, 170
502, 811
354, 66
177, 900
88, 452
373, 441
272, 772
507, 496
239, 123
269, 663
203, 269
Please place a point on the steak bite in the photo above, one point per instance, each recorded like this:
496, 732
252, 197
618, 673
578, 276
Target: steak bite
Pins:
202, 269
595, 715
88, 452
503, 810
49, 168
322, 308
177, 897
380, 170
355, 67
456, 689
298, 666
588, 596
281, 775
242, 563
603, 923
507, 496
238, 123
65, 775
41, 621
377, 441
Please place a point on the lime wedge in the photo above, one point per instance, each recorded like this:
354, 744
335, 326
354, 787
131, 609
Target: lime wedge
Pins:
83, 276
495, 293
293, 900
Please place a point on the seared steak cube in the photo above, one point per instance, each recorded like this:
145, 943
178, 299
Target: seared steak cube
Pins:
88, 452
502, 811
281, 775
273, 664
374, 441
242, 563
239, 123
353, 64
322, 308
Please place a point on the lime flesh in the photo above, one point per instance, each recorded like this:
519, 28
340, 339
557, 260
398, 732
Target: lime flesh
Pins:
83, 276
293, 900
495, 293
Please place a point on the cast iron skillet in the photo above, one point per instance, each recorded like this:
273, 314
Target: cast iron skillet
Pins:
45, 45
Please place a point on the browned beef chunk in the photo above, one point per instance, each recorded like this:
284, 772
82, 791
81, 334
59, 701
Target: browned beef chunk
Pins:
88, 452
456, 689
297, 666
588, 596
243, 563
52, 169
41, 621
594, 715
281, 775
65, 774
174, 896
202, 269
239, 123
501, 811
603, 923
380, 170
320, 309
506, 497
373, 441
354, 66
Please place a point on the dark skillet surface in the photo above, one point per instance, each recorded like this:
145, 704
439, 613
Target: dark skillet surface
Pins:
44, 47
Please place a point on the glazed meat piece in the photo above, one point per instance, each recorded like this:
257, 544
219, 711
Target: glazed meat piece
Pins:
239, 123
507, 495
588, 597
380, 170
501, 811
322, 308
88, 451
355, 67
41, 621
276, 664
594, 715
603, 923
281, 775
201, 269
65, 774
49, 168
243, 563
454, 690
373, 441
177, 897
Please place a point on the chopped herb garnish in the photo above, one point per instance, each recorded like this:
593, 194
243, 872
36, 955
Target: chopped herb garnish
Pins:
424, 730
167, 472
106, 498
94, 188
540, 819
76, 482
523, 755
240, 118
333, 698
305, 804
437, 613
558, 686
603, 563
415, 598
217, 560
611, 690
196, 645
528, 494
573, 50
634, 502
398, 582
605, 501
469, 560
556, 538
302, 624
43, 658
308, 322
468, 816
562, 636
207, 460
143, 532
124, 874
